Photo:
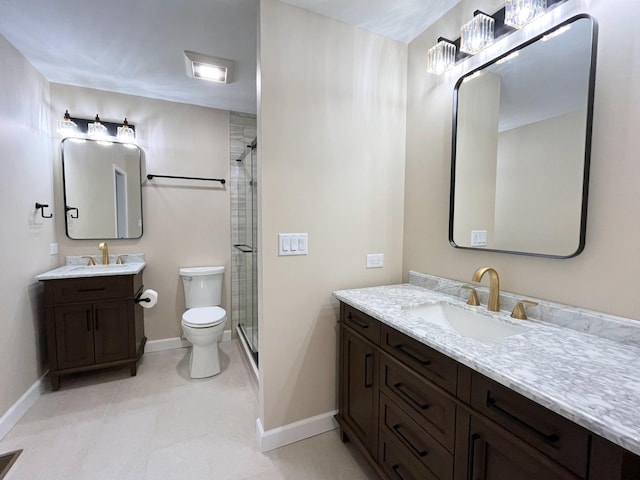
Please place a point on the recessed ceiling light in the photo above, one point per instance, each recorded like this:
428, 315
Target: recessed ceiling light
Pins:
208, 68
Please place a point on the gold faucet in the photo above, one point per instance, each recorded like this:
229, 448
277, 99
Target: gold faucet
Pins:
494, 286
105, 252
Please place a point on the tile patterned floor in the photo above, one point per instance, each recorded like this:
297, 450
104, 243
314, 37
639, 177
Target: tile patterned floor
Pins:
163, 425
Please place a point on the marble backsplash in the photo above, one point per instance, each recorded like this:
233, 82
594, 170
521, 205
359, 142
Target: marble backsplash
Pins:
619, 329
113, 258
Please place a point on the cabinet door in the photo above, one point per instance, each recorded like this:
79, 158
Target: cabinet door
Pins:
74, 336
111, 328
359, 397
495, 454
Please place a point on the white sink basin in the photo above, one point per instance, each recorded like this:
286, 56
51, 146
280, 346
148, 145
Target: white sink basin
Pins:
481, 328
98, 269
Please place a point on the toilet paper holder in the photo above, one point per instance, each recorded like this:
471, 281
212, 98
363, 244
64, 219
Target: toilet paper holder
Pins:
138, 299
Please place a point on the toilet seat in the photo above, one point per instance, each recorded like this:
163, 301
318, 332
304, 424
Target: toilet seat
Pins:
204, 317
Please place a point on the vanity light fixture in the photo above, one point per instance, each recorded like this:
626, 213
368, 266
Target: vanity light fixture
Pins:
483, 30
477, 33
67, 127
520, 12
126, 134
208, 68
441, 57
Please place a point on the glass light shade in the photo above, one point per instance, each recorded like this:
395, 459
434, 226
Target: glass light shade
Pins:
67, 127
441, 57
477, 34
518, 13
126, 134
97, 130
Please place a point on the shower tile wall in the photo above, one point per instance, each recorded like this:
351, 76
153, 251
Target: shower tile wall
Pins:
243, 131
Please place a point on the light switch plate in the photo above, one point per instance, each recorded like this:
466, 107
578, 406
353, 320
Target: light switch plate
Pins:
375, 260
293, 244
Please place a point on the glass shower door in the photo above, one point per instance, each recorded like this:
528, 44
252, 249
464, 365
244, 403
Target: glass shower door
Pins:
245, 251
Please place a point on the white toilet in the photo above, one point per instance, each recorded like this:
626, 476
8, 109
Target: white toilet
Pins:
203, 322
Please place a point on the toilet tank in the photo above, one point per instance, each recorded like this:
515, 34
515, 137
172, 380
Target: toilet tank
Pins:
202, 286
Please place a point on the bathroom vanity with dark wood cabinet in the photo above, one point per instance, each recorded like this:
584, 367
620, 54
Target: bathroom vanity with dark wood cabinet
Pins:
93, 323
417, 414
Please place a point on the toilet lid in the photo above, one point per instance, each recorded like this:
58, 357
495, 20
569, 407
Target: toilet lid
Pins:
204, 317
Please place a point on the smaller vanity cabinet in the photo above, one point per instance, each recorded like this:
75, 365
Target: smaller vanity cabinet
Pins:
93, 323
417, 414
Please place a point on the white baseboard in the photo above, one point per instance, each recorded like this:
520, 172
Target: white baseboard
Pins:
175, 342
296, 431
22, 406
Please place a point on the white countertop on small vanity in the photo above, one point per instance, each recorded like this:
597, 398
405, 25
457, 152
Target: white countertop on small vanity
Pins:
77, 267
590, 380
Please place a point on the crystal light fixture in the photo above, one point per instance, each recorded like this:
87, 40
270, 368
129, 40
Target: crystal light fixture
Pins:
126, 134
441, 57
477, 33
97, 130
67, 127
520, 12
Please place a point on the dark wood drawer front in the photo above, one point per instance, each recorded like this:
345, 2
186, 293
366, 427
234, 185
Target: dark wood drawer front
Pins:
428, 406
417, 442
72, 290
435, 366
550, 433
365, 325
399, 465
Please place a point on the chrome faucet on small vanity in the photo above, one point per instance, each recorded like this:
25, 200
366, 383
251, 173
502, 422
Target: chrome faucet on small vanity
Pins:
494, 286
105, 252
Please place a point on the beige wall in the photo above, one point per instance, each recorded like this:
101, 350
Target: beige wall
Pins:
476, 153
25, 178
527, 220
603, 277
331, 125
186, 223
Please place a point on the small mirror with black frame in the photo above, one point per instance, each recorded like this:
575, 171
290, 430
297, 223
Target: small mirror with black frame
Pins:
521, 146
102, 193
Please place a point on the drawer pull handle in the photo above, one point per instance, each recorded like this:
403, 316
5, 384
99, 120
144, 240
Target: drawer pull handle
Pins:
419, 452
367, 383
353, 319
471, 464
545, 437
395, 469
402, 349
420, 405
86, 290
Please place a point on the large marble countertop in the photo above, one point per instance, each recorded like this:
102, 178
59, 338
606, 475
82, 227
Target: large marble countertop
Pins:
590, 380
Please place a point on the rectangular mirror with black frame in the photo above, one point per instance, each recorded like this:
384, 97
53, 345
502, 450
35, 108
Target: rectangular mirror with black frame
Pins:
102, 193
521, 146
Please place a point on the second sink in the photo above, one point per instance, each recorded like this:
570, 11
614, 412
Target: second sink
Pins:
481, 328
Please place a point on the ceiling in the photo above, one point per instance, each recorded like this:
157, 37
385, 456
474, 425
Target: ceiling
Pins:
136, 46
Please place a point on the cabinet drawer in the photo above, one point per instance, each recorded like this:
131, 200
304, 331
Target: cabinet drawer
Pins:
550, 433
397, 464
72, 290
365, 325
430, 407
435, 366
416, 442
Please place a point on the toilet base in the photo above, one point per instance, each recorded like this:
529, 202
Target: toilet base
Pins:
204, 361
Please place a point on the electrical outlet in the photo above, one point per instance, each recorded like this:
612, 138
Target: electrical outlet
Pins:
478, 238
53, 249
375, 260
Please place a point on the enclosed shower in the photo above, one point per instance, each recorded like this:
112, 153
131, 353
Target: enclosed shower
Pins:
245, 252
